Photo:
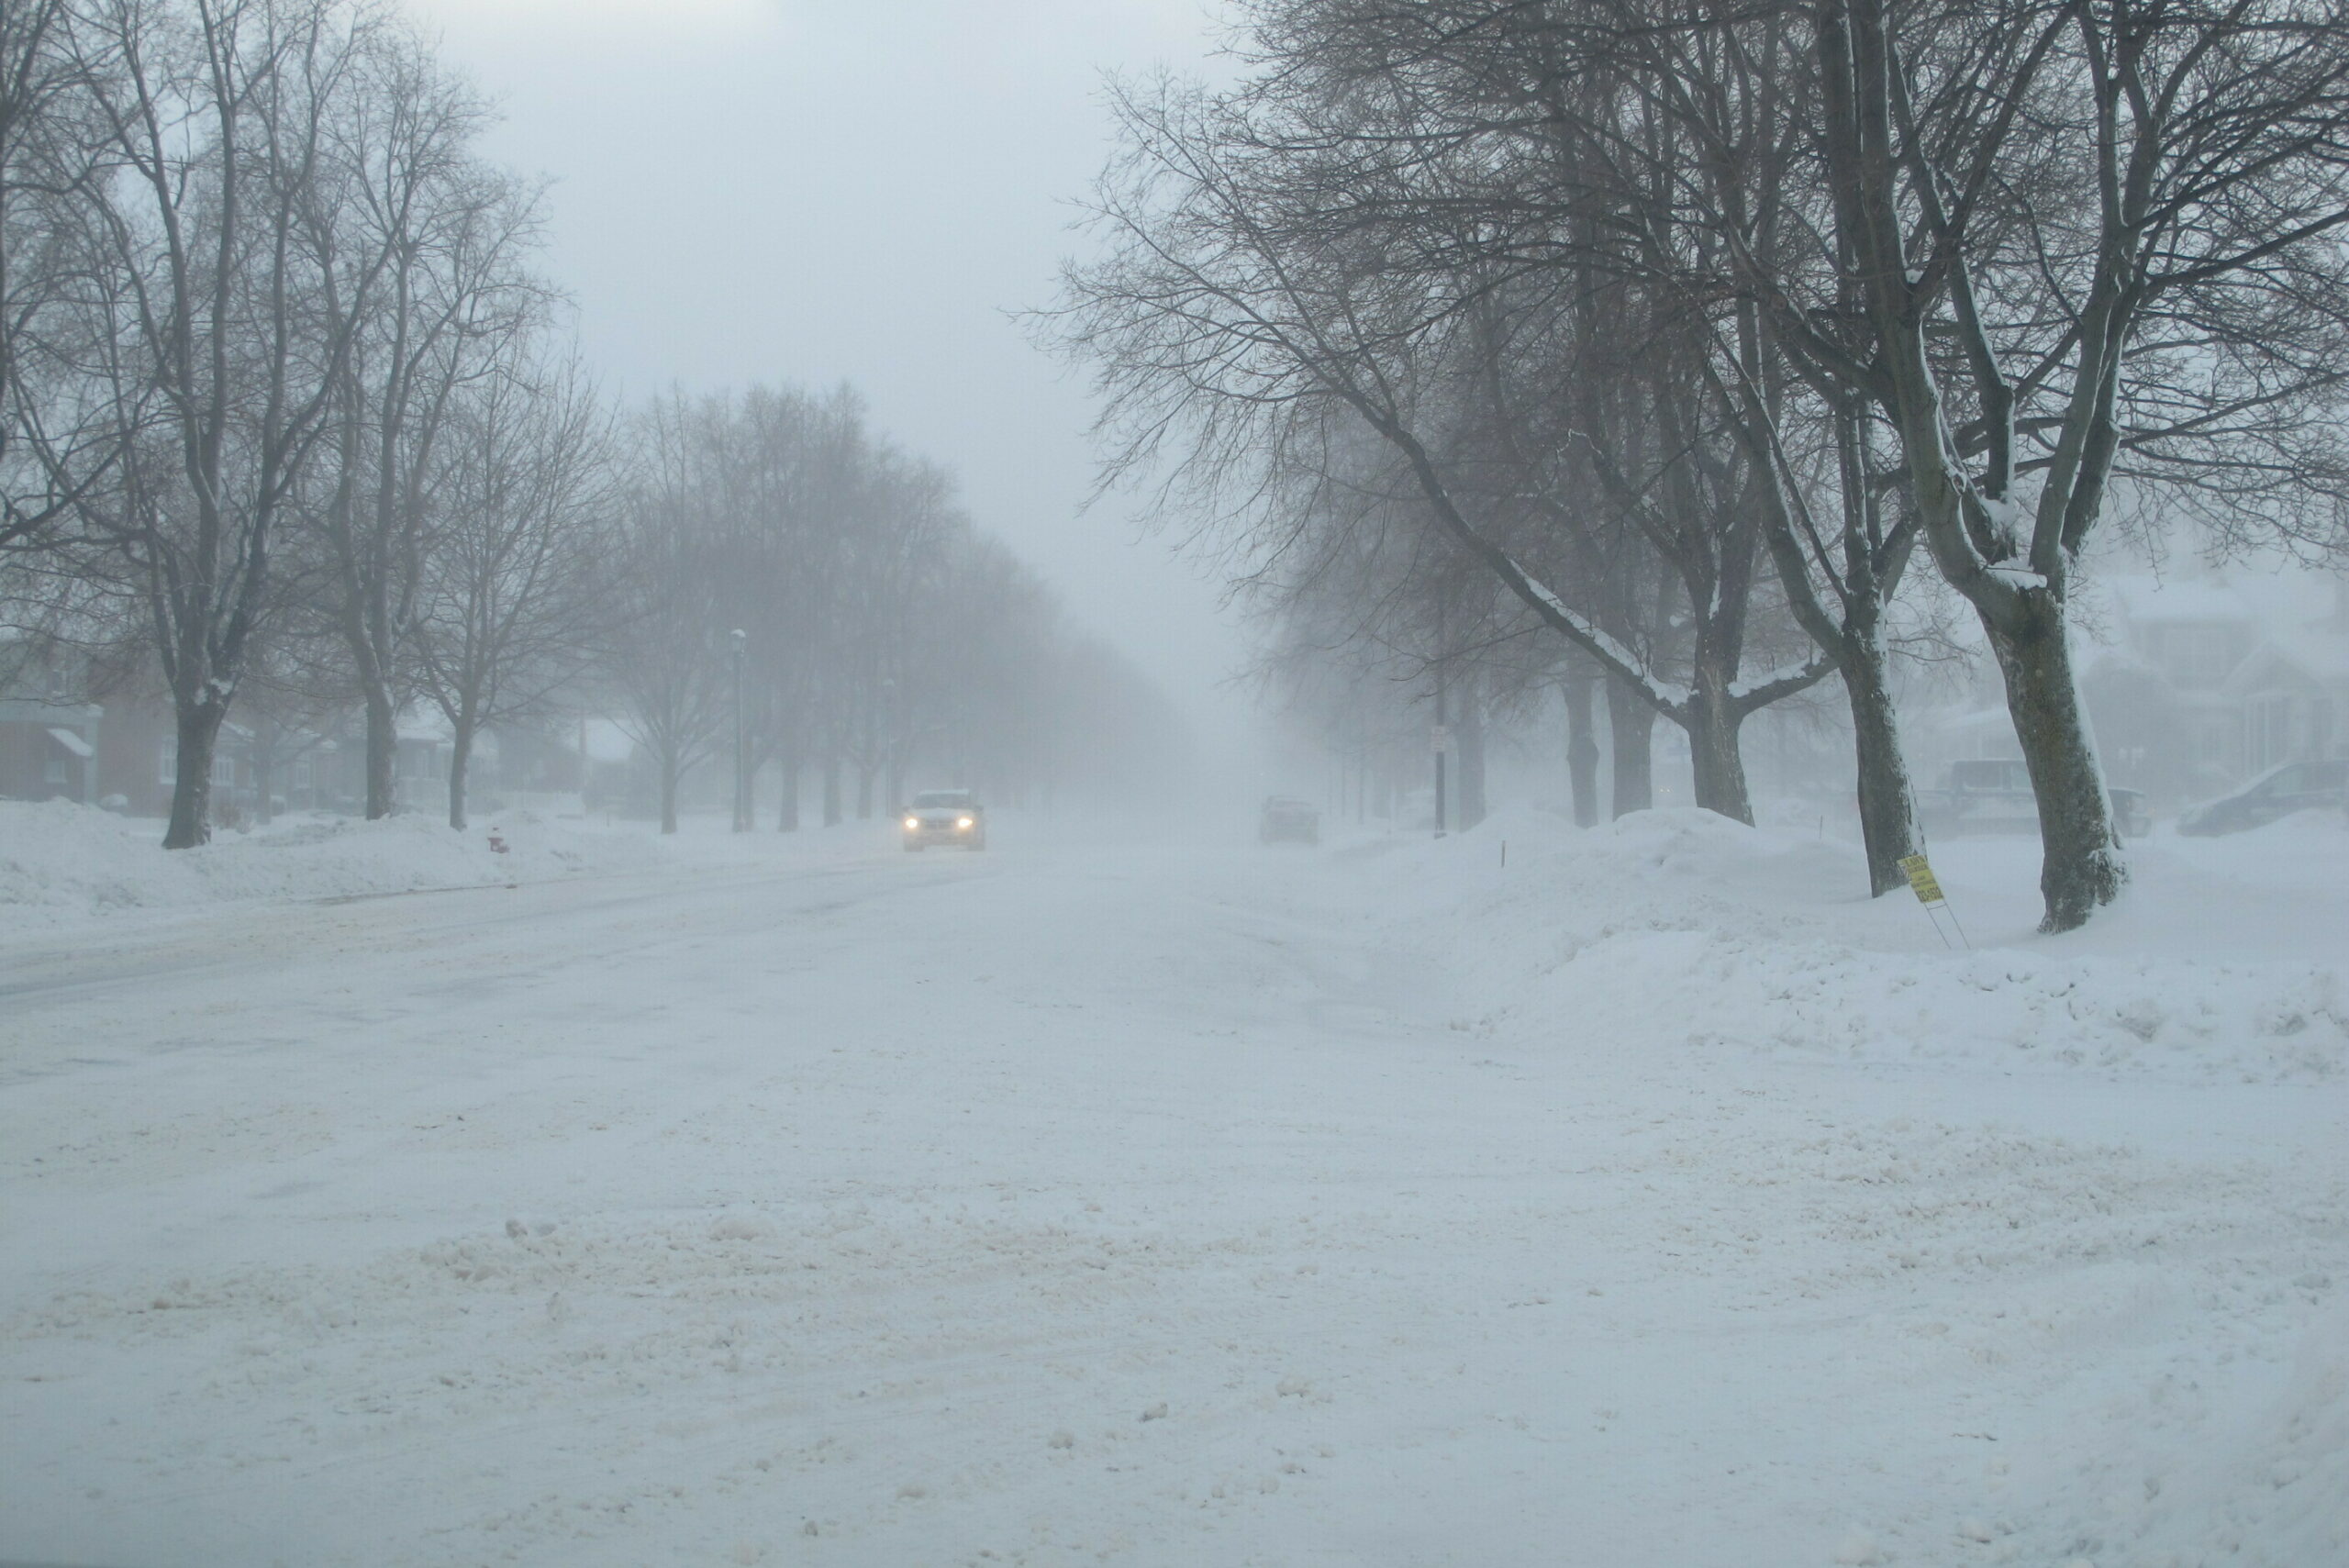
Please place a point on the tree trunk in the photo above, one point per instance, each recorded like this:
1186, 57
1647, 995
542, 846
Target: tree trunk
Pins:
831, 792
864, 792
1582, 753
1472, 757
1714, 756
669, 776
1888, 803
1631, 727
199, 729
265, 757
383, 753
461, 757
2080, 864
786, 814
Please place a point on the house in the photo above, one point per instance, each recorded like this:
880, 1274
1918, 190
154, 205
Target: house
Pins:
2192, 685
2203, 683
49, 730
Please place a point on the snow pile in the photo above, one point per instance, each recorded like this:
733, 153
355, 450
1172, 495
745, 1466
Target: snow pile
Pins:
61, 861
1680, 925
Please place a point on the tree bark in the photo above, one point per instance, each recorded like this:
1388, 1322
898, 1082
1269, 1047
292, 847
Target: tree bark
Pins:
1888, 802
197, 726
863, 793
2080, 864
461, 757
1631, 727
1582, 753
383, 753
669, 775
1715, 760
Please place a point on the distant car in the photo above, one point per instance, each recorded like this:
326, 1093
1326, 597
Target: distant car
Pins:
1289, 821
952, 817
1993, 796
2276, 793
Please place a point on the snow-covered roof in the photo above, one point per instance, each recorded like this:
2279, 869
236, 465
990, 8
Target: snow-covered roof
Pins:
2312, 653
2147, 600
422, 724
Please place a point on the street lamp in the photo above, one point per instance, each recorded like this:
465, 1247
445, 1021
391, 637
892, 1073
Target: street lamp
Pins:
741, 747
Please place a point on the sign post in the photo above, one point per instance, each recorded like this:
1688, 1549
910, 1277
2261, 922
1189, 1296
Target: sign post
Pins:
1928, 889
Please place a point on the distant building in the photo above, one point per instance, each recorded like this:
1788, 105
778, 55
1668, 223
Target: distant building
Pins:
2203, 684
2192, 686
49, 729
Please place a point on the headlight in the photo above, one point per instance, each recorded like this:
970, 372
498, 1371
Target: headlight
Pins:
913, 824
962, 822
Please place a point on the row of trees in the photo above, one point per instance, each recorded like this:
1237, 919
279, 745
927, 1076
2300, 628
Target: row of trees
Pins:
788, 573
1681, 327
283, 403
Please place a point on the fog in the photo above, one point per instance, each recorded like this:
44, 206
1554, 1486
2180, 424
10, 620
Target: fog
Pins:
753, 190
1665, 884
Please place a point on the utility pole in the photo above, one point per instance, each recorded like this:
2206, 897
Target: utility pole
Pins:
741, 745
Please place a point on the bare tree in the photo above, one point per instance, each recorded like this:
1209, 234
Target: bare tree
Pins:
216, 360
513, 605
429, 237
54, 445
2080, 240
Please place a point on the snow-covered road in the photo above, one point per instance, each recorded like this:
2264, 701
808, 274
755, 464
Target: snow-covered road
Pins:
1087, 1201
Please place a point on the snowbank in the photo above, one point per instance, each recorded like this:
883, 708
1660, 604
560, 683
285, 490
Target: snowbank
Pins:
1683, 924
61, 862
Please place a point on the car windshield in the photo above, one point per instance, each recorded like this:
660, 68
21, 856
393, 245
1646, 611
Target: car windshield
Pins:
943, 800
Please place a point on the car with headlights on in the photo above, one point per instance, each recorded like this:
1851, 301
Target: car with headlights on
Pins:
947, 817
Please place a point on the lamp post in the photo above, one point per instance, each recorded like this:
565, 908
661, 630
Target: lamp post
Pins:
741, 747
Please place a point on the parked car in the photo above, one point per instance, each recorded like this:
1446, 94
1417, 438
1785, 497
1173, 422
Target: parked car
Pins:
1993, 796
2277, 792
1285, 821
950, 817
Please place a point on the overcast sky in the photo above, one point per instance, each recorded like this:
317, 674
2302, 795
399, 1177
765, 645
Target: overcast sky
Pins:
859, 190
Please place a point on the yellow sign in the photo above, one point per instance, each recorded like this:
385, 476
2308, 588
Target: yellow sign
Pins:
1921, 878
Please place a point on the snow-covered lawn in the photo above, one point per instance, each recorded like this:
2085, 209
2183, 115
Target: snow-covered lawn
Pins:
1649, 1198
